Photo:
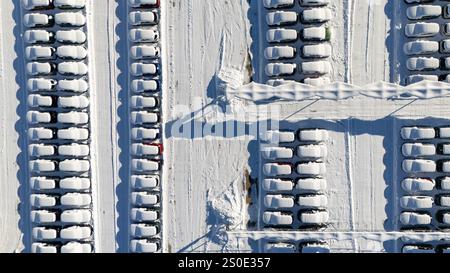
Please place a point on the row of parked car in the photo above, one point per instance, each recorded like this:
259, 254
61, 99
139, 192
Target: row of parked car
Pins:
292, 247
283, 55
58, 116
145, 112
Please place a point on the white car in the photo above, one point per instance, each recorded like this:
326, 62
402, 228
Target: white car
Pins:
443, 132
140, 182
42, 217
74, 134
281, 35
312, 135
75, 247
77, 102
71, 52
144, 117
42, 201
415, 219
276, 169
142, 149
421, 29
443, 200
316, 68
143, 230
278, 201
71, 36
35, 101
314, 3
319, 81
144, 3
141, 215
73, 150
422, 63
444, 166
35, 53
416, 202
38, 69
75, 184
76, 118
75, 86
74, 165
70, 19
311, 184
280, 18
42, 183
41, 84
313, 201
144, 35
140, 18
273, 153
443, 148
419, 77
313, 151
311, 168
141, 69
41, 248
140, 134
141, 86
420, 47
445, 46
72, 68
418, 184
278, 137
446, 12
421, 12
36, 36
279, 52
37, 4
35, 117
316, 34
69, 4
418, 166
76, 233
322, 50
140, 52
140, 102
144, 246
422, 249
76, 200
445, 63
445, 218
144, 199
277, 218
316, 15
418, 149
314, 217
41, 150
418, 133
279, 248
38, 134
315, 247
275, 185
81, 216
276, 4
31, 20
280, 69
44, 234
144, 165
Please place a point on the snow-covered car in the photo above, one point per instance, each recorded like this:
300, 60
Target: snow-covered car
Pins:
316, 68
80, 216
37, 4
277, 169
75, 86
44, 234
276, 185
443, 132
35, 53
422, 12
443, 148
76, 118
73, 150
281, 35
36, 101
144, 3
314, 3
415, 218
418, 184
318, 34
316, 15
76, 233
140, 182
322, 50
312, 135
75, 247
419, 77
276, 4
319, 81
72, 68
313, 217
143, 230
40, 69
75, 184
443, 200
273, 153
312, 201
444, 217
445, 46
311, 168
71, 52
417, 133
141, 69
41, 248
78, 102
421, 29
422, 63
278, 201
443, 166
446, 12
278, 137
70, 19
32, 20
422, 249
144, 199
141, 86
142, 215
281, 18
38, 134
41, 84
144, 117
76, 200
142, 18
314, 247
42, 183
277, 218
140, 134
417, 1
42, 201
37, 36
313, 151
36, 117
416, 202
144, 35
418, 149
418, 166
280, 69
142, 149
71, 36
42, 217
69, 4
144, 246
140, 102
145, 165
74, 165
74, 134
445, 63
279, 52
311, 184
420, 47
140, 52
279, 248
41, 150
